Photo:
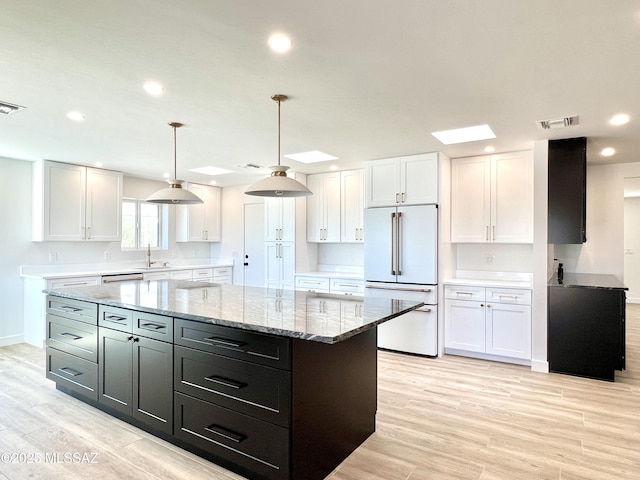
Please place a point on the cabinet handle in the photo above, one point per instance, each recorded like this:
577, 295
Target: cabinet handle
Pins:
70, 371
486, 234
114, 318
399, 240
226, 382
403, 197
488, 306
424, 290
470, 294
69, 308
225, 433
423, 309
493, 228
397, 198
152, 326
67, 334
393, 239
88, 233
514, 297
223, 342
361, 234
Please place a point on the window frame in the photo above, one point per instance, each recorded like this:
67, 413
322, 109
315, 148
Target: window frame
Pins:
161, 228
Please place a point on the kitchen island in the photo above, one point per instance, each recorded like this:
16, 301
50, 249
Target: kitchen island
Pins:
269, 383
586, 325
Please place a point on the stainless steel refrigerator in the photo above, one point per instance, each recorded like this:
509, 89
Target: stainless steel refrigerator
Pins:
400, 261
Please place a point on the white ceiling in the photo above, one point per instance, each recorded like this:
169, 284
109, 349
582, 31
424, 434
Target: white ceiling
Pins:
366, 79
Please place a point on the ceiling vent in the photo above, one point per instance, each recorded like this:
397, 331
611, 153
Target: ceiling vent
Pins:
249, 165
9, 108
562, 122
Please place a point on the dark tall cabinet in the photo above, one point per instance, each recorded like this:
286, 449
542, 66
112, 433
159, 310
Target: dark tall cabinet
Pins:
567, 208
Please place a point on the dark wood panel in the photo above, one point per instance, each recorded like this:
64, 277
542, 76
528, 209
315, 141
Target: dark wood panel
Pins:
73, 309
116, 318
73, 372
150, 325
73, 336
116, 370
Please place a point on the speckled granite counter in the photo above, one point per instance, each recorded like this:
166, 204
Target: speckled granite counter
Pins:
309, 316
588, 280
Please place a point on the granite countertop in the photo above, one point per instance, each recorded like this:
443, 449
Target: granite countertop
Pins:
288, 313
588, 280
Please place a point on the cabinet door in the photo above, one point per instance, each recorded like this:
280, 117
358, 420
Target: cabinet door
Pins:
508, 330
64, 201
196, 214
272, 264
288, 265
417, 244
280, 214
315, 208
104, 206
153, 383
419, 179
512, 197
470, 199
464, 325
352, 206
331, 202
382, 179
115, 370
211, 216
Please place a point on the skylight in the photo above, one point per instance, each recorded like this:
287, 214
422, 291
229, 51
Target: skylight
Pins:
311, 157
213, 171
462, 135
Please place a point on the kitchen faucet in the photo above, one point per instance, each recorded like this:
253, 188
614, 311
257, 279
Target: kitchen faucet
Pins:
149, 262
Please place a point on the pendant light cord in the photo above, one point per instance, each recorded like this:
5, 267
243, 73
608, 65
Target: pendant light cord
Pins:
175, 154
279, 102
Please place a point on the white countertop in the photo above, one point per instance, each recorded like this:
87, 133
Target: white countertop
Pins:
342, 275
491, 279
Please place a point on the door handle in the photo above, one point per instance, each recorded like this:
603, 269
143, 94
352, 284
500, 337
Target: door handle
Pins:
393, 224
399, 241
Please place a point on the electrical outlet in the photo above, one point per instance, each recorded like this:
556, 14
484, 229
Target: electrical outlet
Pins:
53, 257
489, 259
107, 256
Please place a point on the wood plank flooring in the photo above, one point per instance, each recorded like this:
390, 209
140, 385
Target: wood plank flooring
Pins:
438, 419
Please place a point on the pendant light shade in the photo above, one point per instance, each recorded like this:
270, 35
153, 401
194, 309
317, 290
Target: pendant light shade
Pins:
174, 194
278, 184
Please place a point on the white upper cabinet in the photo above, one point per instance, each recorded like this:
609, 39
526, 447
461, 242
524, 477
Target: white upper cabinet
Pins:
201, 222
280, 219
492, 198
76, 203
352, 206
410, 180
323, 208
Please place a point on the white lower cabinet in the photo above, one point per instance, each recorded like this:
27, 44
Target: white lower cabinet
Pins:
280, 265
491, 322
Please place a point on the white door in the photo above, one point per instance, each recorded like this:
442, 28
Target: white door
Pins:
464, 325
382, 181
419, 179
253, 258
417, 256
508, 330
379, 259
470, 199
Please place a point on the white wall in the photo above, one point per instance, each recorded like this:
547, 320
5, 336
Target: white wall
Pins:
341, 254
502, 258
632, 248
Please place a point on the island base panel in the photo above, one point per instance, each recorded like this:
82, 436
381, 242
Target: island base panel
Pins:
335, 401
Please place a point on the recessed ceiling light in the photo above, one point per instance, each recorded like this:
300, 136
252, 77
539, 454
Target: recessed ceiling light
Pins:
608, 152
166, 175
311, 157
279, 42
97, 164
489, 149
333, 168
213, 182
210, 170
619, 119
153, 88
462, 135
76, 116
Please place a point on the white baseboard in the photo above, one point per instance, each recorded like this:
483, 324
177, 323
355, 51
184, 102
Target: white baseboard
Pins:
11, 340
540, 366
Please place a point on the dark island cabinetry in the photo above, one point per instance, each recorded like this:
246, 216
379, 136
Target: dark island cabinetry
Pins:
586, 328
567, 194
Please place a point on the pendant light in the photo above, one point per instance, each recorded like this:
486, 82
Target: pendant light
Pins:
278, 184
174, 194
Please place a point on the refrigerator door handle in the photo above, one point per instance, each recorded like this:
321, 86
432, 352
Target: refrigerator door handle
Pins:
424, 290
393, 245
399, 246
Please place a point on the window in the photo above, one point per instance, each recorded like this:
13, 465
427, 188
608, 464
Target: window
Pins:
141, 225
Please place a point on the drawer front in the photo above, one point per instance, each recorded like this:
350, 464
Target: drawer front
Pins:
155, 326
347, 286
74, 309
313, 284
116, 318
256, 390
223, 279
232, 342
419, 293
464, 292
202, 273
156, 276
74, 282
181, 275
71, 336
509, 295
72, 372
222, 271
253, 444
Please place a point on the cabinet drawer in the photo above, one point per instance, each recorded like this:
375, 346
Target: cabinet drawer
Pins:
258, 446
347, 286
71, 336
232, 342
74, 282
153, 326
464, 292
202, 273
256, 390
116, 318
224, 279
222, 271
509, 295
313, 284
181, 275
74, 309
72, 372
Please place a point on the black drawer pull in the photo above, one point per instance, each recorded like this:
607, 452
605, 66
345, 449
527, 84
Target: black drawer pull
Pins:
114, 318
69, 308
67, 334
152, 326
223, 342
70, 371
226, 382
223, 432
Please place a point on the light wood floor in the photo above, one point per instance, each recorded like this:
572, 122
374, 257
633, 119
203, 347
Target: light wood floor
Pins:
451, 418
